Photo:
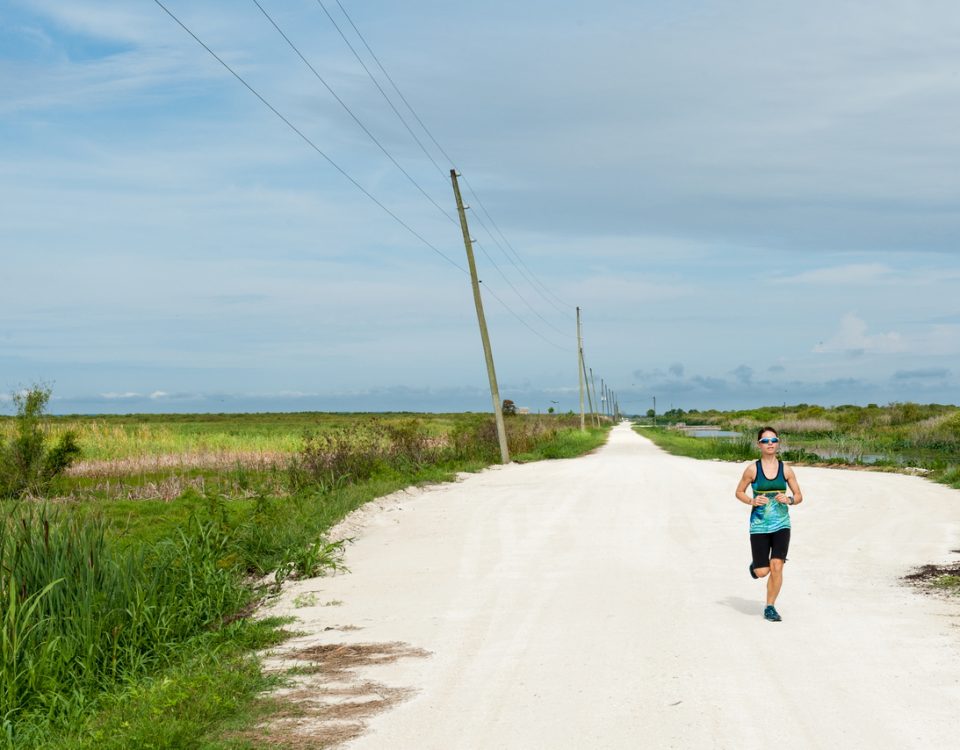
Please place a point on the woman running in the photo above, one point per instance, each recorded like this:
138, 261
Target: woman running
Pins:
770, 515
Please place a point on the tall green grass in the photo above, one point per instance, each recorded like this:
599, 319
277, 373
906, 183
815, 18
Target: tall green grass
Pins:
91, 606
683, 445
79, 616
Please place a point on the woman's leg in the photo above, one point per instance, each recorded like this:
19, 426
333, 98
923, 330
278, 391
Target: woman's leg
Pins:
775, 581
779, 544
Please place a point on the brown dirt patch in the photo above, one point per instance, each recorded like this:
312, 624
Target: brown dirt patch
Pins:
327, 703
926, 574
335, 659
937, 580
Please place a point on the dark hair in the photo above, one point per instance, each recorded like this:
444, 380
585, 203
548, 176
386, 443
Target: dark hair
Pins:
767, 429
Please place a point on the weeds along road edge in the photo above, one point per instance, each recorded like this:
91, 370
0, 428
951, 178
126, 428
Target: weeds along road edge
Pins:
154, 602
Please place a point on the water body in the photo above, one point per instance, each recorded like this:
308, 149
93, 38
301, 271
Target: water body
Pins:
900, 459
865, 458
824, 453
827, 454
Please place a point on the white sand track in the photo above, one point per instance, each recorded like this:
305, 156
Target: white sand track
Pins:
604, 602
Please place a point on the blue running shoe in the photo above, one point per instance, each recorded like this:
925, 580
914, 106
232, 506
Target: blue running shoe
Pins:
770, 613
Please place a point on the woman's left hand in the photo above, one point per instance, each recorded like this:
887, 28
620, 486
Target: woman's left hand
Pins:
781, 498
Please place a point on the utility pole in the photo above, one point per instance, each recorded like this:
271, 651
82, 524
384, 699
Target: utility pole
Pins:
583, 425
603, 398
654, 411
593, 387
487, 352
593, 416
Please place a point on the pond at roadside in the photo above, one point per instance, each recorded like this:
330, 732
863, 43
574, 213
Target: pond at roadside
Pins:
824, 453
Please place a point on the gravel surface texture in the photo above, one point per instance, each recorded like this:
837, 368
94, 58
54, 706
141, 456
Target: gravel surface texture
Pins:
604, 602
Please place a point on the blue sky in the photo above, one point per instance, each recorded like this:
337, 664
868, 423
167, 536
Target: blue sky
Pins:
752, 202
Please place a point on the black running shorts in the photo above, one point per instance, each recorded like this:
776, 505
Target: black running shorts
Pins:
768, 546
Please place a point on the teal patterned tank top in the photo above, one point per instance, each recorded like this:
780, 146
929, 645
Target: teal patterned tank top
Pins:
765, 519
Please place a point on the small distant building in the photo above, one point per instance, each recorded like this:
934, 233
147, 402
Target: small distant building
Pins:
523, 410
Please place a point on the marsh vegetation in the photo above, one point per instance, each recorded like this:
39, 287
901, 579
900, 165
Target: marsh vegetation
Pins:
921, 438
127, 576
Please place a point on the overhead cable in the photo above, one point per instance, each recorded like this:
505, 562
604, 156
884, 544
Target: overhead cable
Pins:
351, 113
533, 281
341, 170
382, 148
310, 143
377, 84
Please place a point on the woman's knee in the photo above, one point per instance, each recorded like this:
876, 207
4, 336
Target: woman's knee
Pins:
776, 565
761, 572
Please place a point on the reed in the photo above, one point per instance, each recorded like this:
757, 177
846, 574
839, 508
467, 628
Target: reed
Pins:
78, 615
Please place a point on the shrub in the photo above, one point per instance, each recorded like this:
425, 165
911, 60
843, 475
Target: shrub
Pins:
940, 432
353, 454
27, 464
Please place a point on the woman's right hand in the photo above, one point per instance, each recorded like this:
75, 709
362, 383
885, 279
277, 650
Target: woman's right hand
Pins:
761, 500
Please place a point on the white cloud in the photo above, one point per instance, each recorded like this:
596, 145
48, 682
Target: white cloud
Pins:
852, 273
111, 20
159, 394
113, 395
852, 338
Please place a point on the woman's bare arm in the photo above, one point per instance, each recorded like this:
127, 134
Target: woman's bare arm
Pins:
749, 475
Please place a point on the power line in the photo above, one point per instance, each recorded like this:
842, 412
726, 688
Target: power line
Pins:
395, 87
351, 113
372, 137
533, 281
377, 84
528, 277
529, 327
340, 169
309, 142
517, 291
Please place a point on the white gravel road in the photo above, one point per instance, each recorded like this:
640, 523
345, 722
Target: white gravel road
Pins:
604, 602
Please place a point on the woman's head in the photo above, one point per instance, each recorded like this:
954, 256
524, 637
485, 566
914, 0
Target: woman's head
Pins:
773, 433
768, 439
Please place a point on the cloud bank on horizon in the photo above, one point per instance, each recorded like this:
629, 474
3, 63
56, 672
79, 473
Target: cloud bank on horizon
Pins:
752, 203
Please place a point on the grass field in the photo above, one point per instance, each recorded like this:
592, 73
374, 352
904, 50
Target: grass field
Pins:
126, 588
138, 436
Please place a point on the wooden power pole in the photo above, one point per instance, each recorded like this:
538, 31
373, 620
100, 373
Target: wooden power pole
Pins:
594, 404
593, 419
580, 373
484, 336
